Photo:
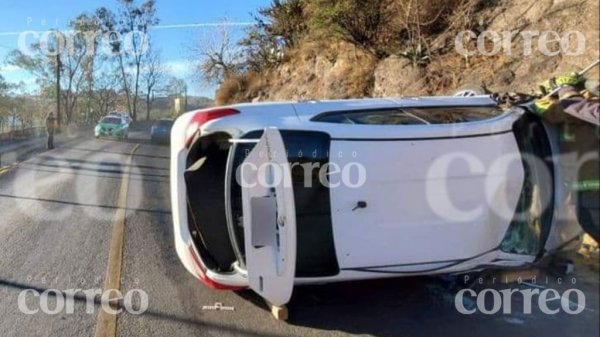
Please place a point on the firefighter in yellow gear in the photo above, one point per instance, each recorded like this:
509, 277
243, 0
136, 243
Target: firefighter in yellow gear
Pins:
575, 111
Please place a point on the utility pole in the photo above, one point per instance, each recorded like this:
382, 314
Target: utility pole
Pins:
58, 66
185, 97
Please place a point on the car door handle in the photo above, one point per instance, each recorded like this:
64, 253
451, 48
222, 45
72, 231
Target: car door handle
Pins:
360, 205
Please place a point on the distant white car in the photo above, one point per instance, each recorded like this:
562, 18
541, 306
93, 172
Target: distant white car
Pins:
273, 195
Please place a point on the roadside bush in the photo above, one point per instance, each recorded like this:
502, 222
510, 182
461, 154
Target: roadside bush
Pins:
283, 20
260, 51
366, 24
239, 88
278, 26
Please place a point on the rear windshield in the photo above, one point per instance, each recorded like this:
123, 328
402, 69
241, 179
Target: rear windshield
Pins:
111, 120
164, 123
410, 116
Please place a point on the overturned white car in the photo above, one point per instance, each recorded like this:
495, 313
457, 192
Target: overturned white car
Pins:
271, 195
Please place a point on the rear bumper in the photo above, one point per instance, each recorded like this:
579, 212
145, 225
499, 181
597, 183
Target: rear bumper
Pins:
160, 137
184, 244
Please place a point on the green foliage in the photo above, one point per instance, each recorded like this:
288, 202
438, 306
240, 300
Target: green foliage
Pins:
3, 93
39, 64
366, 24
383, 27
278, 26
284, 20
260, 50
3, 86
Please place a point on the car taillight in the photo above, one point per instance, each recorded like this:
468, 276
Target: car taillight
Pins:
202, 117
201, 273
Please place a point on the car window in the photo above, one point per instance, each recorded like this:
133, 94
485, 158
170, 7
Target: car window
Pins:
164, 123
410, 116
370, 117
455, 114
111, 120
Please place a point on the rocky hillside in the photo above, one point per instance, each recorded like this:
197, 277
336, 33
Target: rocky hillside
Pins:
417, 48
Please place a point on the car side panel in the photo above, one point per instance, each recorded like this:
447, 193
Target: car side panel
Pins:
427, 200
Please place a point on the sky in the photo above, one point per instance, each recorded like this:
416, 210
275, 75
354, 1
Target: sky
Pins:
181, 24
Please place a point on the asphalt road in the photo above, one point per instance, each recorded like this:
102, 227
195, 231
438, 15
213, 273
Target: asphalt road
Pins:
57, 214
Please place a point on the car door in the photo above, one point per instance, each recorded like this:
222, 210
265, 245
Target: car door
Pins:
269, 219
423, 200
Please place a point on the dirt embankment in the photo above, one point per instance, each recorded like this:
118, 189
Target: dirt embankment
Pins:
512, 45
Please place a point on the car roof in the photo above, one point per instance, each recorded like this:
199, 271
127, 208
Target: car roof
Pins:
308, 109
299, 116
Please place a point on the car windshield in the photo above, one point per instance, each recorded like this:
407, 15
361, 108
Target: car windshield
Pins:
111, 120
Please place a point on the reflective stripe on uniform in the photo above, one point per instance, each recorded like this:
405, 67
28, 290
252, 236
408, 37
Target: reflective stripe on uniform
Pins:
586, 185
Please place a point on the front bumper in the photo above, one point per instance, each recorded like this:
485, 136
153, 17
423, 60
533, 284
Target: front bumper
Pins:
109, 133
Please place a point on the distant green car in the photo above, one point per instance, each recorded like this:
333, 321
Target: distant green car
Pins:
113, 127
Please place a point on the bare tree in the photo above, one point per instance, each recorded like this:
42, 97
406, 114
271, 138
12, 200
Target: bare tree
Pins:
216, 55
153, 76
4, 87
135, 21
105, 95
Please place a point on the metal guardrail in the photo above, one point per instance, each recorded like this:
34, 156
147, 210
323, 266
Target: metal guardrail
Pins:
26, 133
18, 136
22, 137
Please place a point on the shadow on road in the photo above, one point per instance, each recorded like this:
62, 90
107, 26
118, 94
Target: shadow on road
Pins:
424, 306
100, 163
71, 203
76, 167
82, 299
391, 307
25, 166
113, 152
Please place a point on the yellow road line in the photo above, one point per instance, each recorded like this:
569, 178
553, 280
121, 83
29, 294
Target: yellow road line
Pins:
7, 168
106, 325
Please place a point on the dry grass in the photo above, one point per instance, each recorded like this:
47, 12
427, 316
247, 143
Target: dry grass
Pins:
321, 66
227, 92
